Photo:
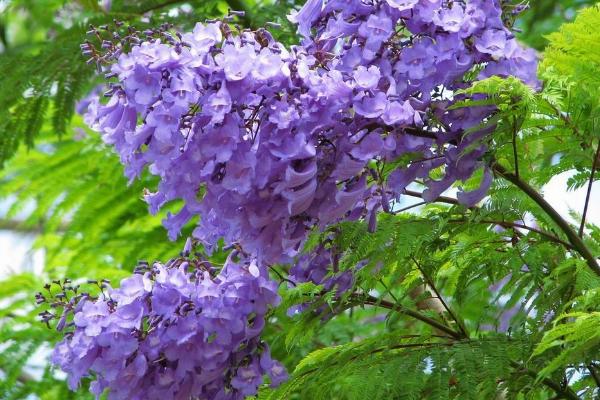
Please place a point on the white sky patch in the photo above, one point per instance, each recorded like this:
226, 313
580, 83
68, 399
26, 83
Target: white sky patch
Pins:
565, 202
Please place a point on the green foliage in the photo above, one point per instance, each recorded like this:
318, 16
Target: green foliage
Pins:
72, 234
422, 320
578, 339
544, 17
393, 366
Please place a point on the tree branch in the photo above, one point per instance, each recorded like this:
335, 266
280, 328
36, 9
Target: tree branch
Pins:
421, 203
589, 190
370, 300
594, 374
431, 284
161, 5
452, 201
441, 199
22, 227
508, 224
562, 393
574, 239
514, 146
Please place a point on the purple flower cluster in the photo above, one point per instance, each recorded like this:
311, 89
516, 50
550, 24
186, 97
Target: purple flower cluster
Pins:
321, 267
265, 143
176, 331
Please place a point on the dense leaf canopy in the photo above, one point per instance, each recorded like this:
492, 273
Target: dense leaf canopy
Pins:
500, 299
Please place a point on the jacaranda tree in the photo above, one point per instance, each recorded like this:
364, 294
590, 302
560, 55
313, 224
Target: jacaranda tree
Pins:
352, 211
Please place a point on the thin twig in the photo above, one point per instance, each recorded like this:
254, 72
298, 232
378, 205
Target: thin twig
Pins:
440, 199
422, 203
161, 5
452, 201
389, 291
566, 393
562, 393
508, 224
514, 146
283, 279
589, 190
370, 300
566, 119
594, 373
431, 284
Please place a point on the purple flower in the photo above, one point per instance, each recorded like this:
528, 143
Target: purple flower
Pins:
492, 42
518, 62
283, 114
306, 16
367, 78
300, 198
163, 121
93, 317
269, 65
371, 107
369, 146
117, 344
450, 19
399, 113
402, 5
470, 199
128, 316
218, 104
131, 289
375, 30
237, 62
239, 172
165, 300
186, 335
416, 61
144, 85
203, 37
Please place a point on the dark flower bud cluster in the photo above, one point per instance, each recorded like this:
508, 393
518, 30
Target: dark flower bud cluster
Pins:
181, 330
62, 298
108, 42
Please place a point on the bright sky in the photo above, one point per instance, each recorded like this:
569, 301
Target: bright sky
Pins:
555, 192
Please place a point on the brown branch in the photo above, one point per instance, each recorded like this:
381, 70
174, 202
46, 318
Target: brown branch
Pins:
514, 146
589, 190
422, 203
594, 373
453, 201
23, 227
441, 199
431, 284
562, 393
161, 5
370, 300
574, 239
508, 224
